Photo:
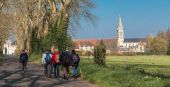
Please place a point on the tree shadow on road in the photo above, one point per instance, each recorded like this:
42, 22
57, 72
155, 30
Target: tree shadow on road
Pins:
10, 79
18, 79
12, 76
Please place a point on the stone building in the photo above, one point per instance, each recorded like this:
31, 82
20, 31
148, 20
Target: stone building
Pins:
128, 44
120, 43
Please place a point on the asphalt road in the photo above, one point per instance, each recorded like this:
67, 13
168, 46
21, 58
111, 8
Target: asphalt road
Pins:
11, 76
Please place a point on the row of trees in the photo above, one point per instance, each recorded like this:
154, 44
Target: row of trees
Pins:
42, 24
160, 43
3, 27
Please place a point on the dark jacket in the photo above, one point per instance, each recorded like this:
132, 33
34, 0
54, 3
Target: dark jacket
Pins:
65, 58
23, 54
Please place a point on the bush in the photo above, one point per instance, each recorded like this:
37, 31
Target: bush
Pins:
168, 52
100, 53
35, 57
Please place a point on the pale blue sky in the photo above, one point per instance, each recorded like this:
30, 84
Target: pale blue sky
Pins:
139, 17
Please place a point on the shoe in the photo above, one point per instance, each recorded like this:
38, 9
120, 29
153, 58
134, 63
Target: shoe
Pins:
56, 76
73, 76
67, 78
49, 76
64, 77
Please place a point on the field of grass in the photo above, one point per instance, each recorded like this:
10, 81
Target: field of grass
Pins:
129, 71
125, 71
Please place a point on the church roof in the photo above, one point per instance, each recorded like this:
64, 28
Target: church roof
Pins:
93, 42
135, 40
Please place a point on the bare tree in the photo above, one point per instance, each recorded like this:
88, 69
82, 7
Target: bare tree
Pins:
43, 15
4, 17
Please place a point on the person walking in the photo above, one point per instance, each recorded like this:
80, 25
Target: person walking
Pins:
23, 60
46, 61
56, 63
75, 60
65, 59
51, 65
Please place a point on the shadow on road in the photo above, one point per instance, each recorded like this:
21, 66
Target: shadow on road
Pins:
11, 76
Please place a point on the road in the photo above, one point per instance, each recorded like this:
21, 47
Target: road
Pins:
11, 76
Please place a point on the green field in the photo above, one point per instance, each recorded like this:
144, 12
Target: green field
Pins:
125, 71
129, 71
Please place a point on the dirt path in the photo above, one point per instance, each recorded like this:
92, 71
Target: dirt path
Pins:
11, 76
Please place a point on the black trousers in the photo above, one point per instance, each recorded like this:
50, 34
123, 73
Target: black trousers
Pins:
56, 69
47, 69
24, 64
51, 69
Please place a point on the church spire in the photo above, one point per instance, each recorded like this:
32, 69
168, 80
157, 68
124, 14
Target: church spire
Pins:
120, 32
120, 22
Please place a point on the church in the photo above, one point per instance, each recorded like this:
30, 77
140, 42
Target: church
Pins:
136, 45
123, 45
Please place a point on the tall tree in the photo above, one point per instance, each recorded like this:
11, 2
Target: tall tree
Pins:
158, 45
65, 13
2, 4
25, 18
149, 39
4, 27
100, 53
36, 21
168, 40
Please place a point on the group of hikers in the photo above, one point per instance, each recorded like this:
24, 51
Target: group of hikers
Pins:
54, 62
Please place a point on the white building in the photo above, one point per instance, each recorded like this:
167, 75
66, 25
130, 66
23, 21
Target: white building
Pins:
88, 45
85, 45
130, 44
119, 43
9, 47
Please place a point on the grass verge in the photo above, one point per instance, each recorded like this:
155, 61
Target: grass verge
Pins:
36, 58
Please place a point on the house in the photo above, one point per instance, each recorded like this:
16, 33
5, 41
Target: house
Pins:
88, 45
9, 47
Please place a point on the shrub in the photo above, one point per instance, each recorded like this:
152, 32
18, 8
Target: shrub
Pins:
100, 53
34, 57
168, 51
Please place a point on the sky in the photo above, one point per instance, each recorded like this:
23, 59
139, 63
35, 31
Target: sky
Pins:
139, 17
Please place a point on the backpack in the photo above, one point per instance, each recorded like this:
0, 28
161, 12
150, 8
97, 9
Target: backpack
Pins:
75, 58
48, 58
23, 58
66, 59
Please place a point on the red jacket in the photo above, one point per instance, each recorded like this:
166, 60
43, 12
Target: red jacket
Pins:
55, 58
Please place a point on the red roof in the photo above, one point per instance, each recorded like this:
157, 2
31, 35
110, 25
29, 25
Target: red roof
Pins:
92, 42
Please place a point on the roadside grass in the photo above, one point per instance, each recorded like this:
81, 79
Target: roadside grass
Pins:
129, 71
36, 58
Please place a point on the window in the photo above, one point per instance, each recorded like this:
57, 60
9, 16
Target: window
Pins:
140, 48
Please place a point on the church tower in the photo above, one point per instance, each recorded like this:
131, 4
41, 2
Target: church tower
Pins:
120, 33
